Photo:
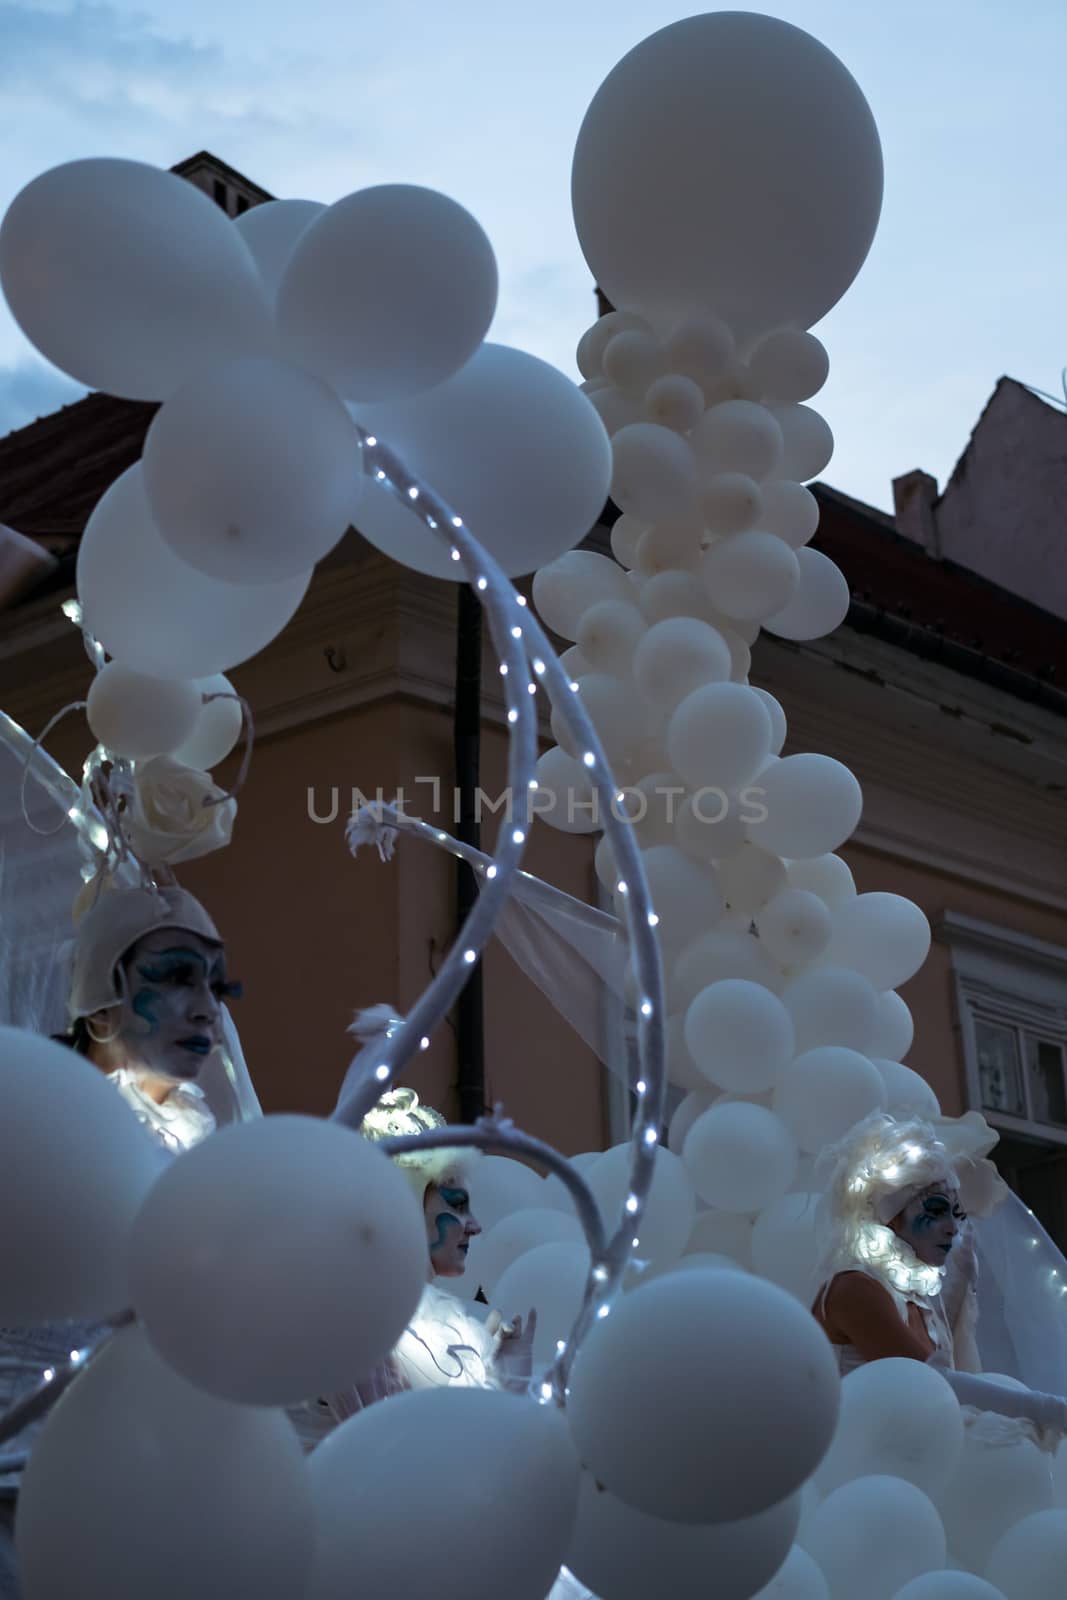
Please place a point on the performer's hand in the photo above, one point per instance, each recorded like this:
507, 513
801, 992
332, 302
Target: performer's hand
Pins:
514, 1357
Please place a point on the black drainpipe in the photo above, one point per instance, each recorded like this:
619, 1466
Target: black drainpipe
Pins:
466, 744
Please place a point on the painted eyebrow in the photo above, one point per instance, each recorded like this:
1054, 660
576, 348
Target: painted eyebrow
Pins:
216, 965
454, 1196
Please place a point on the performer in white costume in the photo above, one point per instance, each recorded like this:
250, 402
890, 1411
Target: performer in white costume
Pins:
900, 1276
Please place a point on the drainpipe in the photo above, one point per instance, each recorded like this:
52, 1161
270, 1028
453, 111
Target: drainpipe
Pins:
466, 744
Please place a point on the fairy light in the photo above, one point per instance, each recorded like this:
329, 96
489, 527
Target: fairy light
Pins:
503, 669
413, 493
371, 440
424, 1043
632, 1204
561, 1345
600, 1274
622, 886
653, 920
646, 1008
381, 1073
518, 836
603, 1311
470, 957
457, 522
520, 599
456, 555
513, 715
589, 758
483, 583
539, 666
641, 1087
516, 633
490, 872
48, 1374
651, 1137
546, 1391
573, 686
532, 688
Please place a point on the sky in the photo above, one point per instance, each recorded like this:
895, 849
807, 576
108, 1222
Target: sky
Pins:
966, 281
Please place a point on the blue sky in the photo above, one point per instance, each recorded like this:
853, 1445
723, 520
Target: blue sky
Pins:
967, 279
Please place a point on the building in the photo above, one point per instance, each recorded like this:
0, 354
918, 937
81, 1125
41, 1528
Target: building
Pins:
945, 691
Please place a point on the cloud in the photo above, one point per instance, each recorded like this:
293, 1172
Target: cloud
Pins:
30, 389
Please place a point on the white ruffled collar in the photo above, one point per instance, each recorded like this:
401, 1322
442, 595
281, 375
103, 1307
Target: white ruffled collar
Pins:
879, 1251
178, 1122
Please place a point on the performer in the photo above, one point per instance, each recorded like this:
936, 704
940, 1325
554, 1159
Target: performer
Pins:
146, 1007
900, 1278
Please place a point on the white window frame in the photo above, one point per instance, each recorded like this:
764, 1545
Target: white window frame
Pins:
1012, 980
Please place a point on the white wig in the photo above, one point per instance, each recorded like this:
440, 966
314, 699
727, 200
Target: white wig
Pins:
399, 1113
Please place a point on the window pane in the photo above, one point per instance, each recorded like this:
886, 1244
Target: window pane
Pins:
1044, 1069
998, 1068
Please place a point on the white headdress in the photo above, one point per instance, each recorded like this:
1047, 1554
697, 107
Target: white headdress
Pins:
399, 1112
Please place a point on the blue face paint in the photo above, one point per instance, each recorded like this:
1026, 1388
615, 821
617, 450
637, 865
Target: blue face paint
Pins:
144, 1005
446, 1222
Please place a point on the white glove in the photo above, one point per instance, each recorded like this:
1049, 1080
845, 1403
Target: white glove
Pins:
1043, 1410
514, 1354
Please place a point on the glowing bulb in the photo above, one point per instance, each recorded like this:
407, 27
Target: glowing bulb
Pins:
622, 886
503, 669
513, 715
646, 1008
455, 554
520, 599
605, 1311
561, 1345
490, 872
573, 687
381, 1073
634, 1243
483, 583
76, 1356
457, 522
370, 439
470, 956
72, 611
632, 1204
516, 633
546, 1391
431, 522
653, 920
532, 687
380, 475
424, 1043
651, 1136
48, 1374
589, 758
518, 837
641, 1086
413, 493
538, 665
600, 1274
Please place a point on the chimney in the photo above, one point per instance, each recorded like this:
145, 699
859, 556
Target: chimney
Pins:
914, 499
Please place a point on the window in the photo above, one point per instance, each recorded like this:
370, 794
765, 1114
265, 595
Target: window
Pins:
1011, 1005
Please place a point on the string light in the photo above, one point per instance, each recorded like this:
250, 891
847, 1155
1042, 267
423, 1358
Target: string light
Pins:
518, 837
413, 493
470, 957
604, 1311
424, 1043
538, 666
641, 1087
651, 1137
589, 758
646, 1008
483, 583
457, 522
503, 669
456, 555
381, 1073
653, 920
520, 599
380, 475
490, 872
632, 1204
371, 440
546, 1391
513, 715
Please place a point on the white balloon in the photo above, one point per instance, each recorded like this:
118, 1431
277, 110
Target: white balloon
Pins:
739, 436
696, 1102
798, 1579
129, 278
565, 589
798, 125
514, 1235
673, 546
564, 797
685, 896
786, 1243
993, 1487
668, 1216
75, 1182
824, 1092
777, 716
701, 347
357, 306
501, 1186
948, 1586
515, 449
157, 614
1029, 1561
884, 936
136, 716
731, 502
631, 360
827, 876
130, 1442
675, 401
609, 633
899, 1419
710, 825
217, 727
252, 471
682, 1070
651, 804
750, 575
832, 1005
908, 1094
676, 656
819, 603
750, 877
626, 536
597, 337
789, 365
740, 1157
552, 1278
719, 735
396, 1458
808, 442
655, 472
872, 1536
795, 926
630, 1556
790, 511
278, 1201
894, 1030
615, 409
609, 702
726, 1233
674, 594
718, 954
681, 1364
272, 230
813, 803
740, 1035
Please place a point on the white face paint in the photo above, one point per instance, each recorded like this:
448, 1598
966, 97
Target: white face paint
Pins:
170, 1019
450, 1225
930, 1222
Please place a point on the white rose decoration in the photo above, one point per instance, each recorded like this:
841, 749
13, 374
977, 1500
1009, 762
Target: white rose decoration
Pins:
165, 820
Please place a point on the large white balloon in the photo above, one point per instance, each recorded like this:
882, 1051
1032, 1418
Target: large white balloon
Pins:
750, 575
874, 1535
668, 225
696, 1102
655, 472
677, 656
1029, 1562
740, 1035
127, 1445
609, 633
361, 305
130, 278
832, 1005
740, 1157
786, 1244
819, 603
501, 1186
722, 1233
797, 1579
279, 1260
75, 1182
738, 436
993, 1487
252, 471
895, 1028
719, 735
682, 1364
137, 716
812, 805
789, 365
824, 1092
388, 1522
750, 877
950, 1586
720, 953
908, 1094
685, 896
669, 1211
795, 926
609, 702
512, 445
790, 511
564, 797
627, 1555
884, 936
900, 1419
808, 442
272, 231
524, 1230
551, 1278
828, 876
156, 613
